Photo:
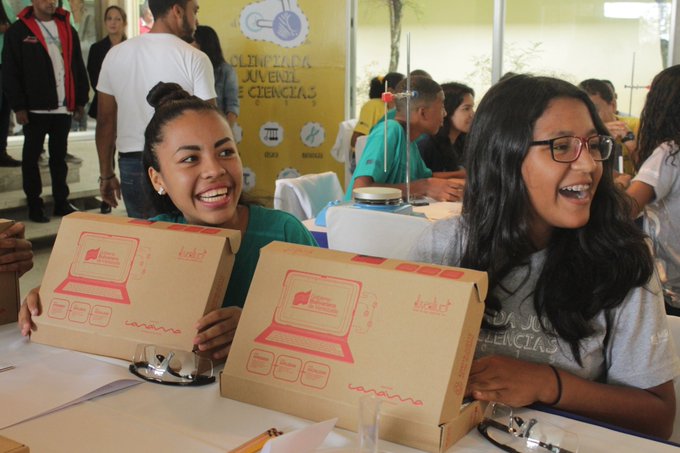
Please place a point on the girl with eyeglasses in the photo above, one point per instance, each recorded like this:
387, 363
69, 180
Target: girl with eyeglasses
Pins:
656, 188
574, 317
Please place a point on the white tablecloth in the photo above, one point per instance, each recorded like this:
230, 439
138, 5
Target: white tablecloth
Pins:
151, 417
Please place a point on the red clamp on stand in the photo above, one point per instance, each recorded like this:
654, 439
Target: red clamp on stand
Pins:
387, 97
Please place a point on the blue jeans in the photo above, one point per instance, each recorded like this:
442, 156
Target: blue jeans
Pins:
133, 185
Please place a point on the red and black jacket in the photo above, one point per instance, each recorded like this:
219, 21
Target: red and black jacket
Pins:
28, 79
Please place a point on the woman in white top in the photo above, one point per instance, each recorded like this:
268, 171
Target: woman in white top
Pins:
656, 188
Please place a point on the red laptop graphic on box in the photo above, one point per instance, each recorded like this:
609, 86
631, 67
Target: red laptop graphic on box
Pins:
314, 315
101, 268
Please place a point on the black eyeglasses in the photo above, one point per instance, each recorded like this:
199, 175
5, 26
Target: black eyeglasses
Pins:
513, 434
568, 148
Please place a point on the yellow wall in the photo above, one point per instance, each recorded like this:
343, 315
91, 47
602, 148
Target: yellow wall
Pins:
301, 88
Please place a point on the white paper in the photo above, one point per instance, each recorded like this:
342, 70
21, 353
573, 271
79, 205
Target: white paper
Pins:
57, 381
440, 210
303, 440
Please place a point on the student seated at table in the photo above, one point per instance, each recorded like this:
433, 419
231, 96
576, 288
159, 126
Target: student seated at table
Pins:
373, 110
624, 129
656, 188
16, 252
574, 315
443, 151
392, 112
196, 177
427, 112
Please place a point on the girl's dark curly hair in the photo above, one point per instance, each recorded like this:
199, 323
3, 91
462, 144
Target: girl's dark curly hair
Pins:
660, 118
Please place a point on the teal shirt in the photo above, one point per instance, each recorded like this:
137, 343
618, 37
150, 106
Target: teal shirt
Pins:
264, 226
373, 158
12, 17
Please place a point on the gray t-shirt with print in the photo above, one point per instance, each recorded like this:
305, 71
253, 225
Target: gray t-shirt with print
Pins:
639, 353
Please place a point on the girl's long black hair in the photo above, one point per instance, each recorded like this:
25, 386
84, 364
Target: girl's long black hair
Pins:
660, 118
209, 42
586, 270
454, 94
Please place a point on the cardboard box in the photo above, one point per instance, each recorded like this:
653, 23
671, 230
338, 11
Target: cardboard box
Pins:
10, 446
321, 328
9, 288
113, 282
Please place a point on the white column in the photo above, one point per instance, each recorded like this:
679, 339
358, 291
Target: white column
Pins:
497, 45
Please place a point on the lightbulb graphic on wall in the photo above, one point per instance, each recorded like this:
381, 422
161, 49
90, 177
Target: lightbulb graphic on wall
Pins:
279, 21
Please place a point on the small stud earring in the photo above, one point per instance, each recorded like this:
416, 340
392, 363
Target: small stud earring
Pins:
161, 191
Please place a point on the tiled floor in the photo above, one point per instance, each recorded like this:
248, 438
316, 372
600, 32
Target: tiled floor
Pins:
42, 235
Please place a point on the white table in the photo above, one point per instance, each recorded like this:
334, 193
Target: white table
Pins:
150, 417
433, 211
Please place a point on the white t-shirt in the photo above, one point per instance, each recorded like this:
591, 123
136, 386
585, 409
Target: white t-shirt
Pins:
662, 215
136, 65
639, 353
51, 35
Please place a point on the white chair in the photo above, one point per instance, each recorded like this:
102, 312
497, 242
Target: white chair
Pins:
674, 327
374, 233
342, 149
306, 195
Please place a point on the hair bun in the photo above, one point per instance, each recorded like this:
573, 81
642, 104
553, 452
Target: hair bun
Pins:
164, 92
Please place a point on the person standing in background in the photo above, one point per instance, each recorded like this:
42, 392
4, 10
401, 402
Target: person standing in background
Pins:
6, 18
115, 21
145, 18
655, 189
84, 23
226, 80
45, 82
128, 73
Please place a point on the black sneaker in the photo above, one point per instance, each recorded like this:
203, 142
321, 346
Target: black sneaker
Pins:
105, 208
37, 214
64, 208
8, 161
